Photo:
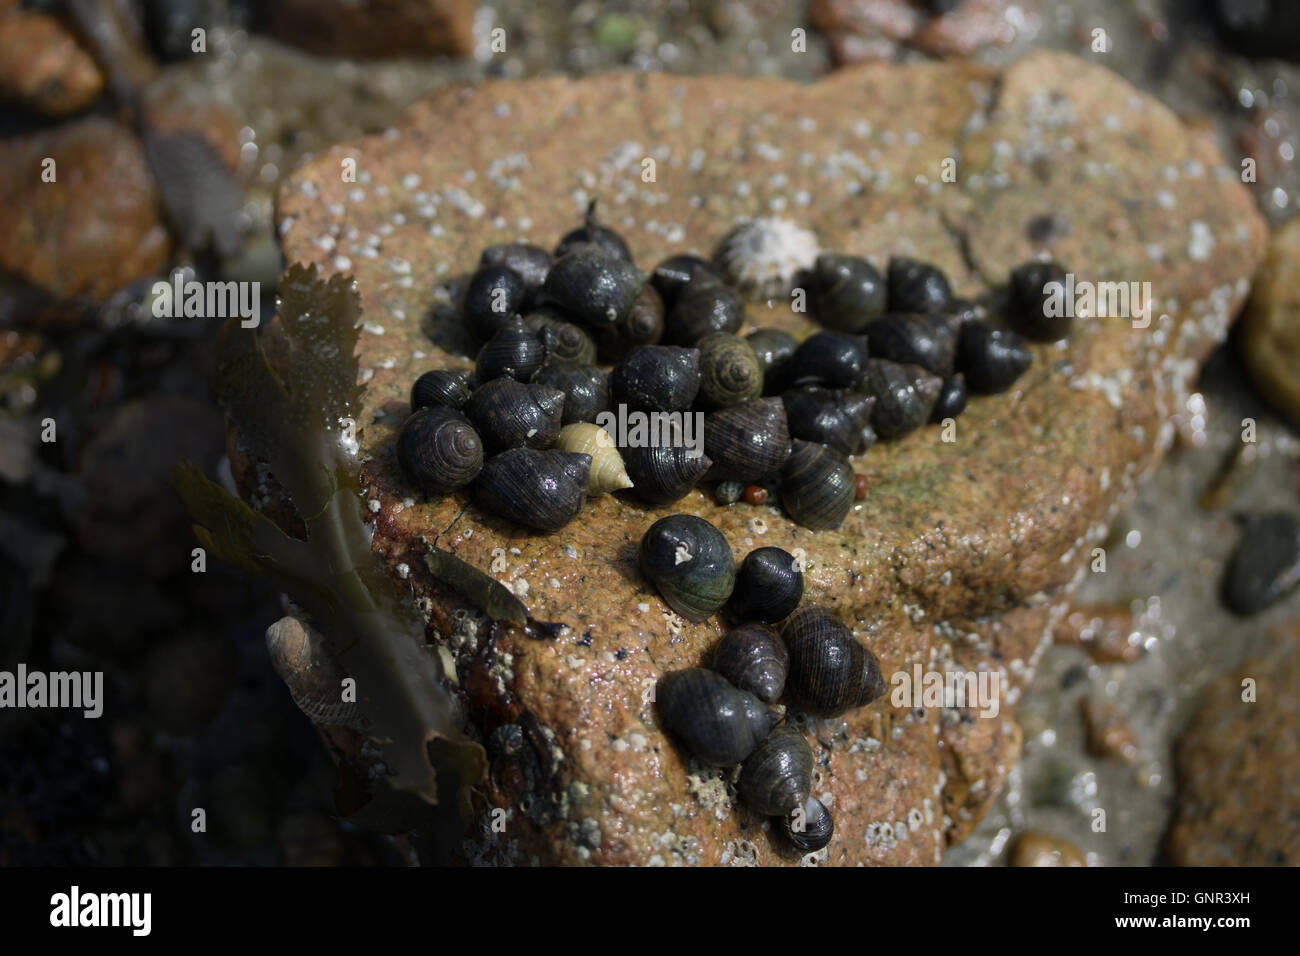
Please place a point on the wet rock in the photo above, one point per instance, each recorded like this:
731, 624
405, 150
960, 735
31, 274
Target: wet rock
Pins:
1266, 564
862, 30
1042, 849
1269, 336
92, 230
1107, 732
377, 28
969, 534
1104, 632
1238, 766
42, 67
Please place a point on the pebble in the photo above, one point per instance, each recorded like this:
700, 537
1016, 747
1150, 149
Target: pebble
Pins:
1266, 564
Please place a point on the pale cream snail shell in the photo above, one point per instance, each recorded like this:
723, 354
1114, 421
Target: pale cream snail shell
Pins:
316, 685
607, 471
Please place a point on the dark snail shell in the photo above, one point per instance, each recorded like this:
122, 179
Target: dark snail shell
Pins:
831, 672
747, 442
705, 305
834, 417
690, 563
508, 414
657, 378
1265, 566
905, 394
439, 450
774, 348
675, 273
585, 388
442, 386
777, 776
730, 372
817, 486
644, 325
562, 340
1027, 302
830, 359
814, 827
530, 262
912, 338
609, 242
917, 287
719, 724
768, 587
494, 296
514, 351
663, 474
728, 492
753, 658
543, 490
952, 399
592, 287
991, 359
845, 292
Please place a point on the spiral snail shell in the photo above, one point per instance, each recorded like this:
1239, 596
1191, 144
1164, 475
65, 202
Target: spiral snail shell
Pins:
591, 232
315, 683
586, 392
607, 470
845, 292
690, 562
1027, 302
494, 296
705, 305
753, 658
830, 671
441, 386
561, 340
747, 442
730, 372
592, 287
911, 338
720, 724
991, 359
514, 351
662, 474
439, 450
829, 359
774, 348
543, 490
817, 486
529, 262
768, 586
657, 378
834, 417
904, 394
509, 413
916, 286
776, 777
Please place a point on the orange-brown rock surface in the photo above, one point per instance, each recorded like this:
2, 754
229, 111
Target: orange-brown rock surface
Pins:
964, 554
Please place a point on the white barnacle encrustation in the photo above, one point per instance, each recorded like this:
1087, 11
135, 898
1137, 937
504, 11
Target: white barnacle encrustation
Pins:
762, 257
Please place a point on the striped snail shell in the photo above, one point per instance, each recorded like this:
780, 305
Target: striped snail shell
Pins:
753, 658
905, 394
543, 490
441, 386
299, 657
831, 672
747, 442
834, 417
817, 486
777, 776
662, 474
656, 378
585, 388
439, 450
719, 723
607, 471
514, 351
508, 414
730, 372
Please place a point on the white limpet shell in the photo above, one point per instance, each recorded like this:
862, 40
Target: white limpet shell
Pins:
762, 257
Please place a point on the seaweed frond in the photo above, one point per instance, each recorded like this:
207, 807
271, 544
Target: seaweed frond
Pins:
301, 426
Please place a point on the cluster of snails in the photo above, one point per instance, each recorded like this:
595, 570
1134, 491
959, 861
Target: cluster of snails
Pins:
776, 412
777, 649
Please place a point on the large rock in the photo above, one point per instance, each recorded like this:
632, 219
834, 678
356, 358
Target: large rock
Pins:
376, 27
42, 67
96, 226
1239, 766
963, 555
1269, 336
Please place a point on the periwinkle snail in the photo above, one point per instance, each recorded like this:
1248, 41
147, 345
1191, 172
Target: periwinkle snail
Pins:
753, 658
529, 262
660, 378
952, 399
730, 372
776, 777
747, 442
912, 338
810, 827
720, 724
817, 486
904, 394
513, 350
768, 586
830, 671
705, 305
916, 286
991, 359
774, 348
1027, 302
690, 562
845, 293
441, 386
834, 417
509, 413
562, 341
675, 273
595, 288
494, 296
830, 359
662, 474
643, 325
438, 450
543, 490
585, 388
591, 232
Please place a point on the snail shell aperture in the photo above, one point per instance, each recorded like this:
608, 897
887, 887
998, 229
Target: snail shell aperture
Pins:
813, 829
719, 723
